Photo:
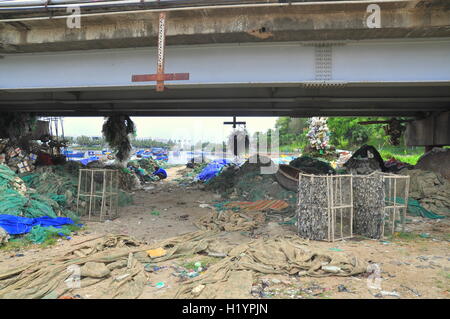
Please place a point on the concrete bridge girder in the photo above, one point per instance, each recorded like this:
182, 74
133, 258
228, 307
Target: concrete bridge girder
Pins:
357, 78
275, 23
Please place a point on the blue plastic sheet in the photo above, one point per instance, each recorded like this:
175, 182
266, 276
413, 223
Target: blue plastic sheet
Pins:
212, 169
86, 161
160, 171
15, 225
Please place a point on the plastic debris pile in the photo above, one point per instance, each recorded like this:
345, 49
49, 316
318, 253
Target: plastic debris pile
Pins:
319, 134
319, 139
15, 158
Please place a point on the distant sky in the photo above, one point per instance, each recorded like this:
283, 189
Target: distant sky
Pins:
185, 128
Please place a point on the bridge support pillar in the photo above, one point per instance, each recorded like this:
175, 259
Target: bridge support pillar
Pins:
429, 132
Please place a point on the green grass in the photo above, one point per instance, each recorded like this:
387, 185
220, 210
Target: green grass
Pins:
405, 236
410, 159
18, 243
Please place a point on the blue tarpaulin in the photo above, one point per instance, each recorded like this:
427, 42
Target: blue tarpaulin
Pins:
86, 161
160, 171
15, 225
212, 169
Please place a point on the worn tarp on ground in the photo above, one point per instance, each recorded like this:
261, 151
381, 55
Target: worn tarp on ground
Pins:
230, 221
120, 260
283, 255
431, 189
50, 278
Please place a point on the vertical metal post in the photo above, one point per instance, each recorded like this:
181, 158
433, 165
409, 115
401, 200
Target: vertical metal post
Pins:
117, 193
103, 195
351, 206
161, 53
91, 194
79, 188
406, 203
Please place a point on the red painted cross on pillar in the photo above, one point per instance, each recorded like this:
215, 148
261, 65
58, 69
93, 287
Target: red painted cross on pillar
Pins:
160, 76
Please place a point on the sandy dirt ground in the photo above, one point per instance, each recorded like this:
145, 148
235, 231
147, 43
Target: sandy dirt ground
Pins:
409, 266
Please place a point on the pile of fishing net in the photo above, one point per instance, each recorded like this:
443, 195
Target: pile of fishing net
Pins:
48, 191
248, 183
310, 165
147, 164
19, 198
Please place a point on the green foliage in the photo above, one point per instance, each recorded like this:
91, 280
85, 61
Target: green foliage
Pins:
346, 133
292, 132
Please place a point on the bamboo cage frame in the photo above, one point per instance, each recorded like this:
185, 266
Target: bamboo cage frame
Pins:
336, 206
392, 207
107, 195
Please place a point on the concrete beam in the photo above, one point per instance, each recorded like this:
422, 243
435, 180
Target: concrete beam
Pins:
298, 22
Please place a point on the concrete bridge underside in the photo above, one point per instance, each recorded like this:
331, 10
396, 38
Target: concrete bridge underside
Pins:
409, 78
303, 59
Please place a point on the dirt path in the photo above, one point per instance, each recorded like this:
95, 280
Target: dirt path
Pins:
412, 267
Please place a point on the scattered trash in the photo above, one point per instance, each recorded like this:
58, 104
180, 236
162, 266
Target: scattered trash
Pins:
155, 213
158, 252
121, 277
414, 291
70, 297
424, 235
160, 284
198, 289
335, 249
387, 293
192, 274
342, 288
331, 269
153, 268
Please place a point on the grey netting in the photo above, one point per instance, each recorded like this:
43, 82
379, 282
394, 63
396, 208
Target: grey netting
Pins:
368, 203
